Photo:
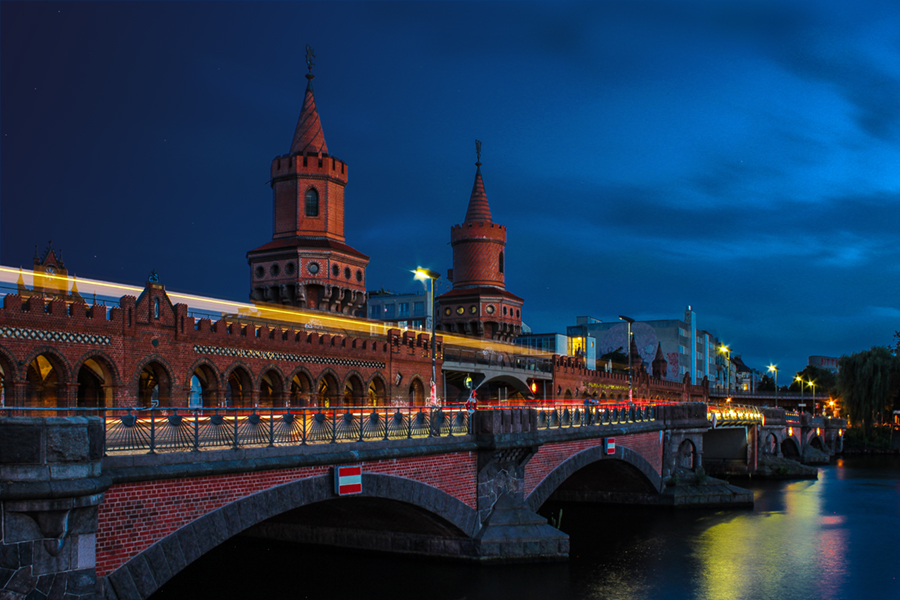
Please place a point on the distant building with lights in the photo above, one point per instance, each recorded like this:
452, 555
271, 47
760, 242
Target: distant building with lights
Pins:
686, 349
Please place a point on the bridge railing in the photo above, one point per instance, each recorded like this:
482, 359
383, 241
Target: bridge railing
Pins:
555, 415
150, 430
487, 358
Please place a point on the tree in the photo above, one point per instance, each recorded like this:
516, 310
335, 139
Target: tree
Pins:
865, 385
766, 384
825, 380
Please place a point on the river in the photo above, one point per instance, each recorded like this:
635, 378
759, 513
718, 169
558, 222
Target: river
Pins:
837, 537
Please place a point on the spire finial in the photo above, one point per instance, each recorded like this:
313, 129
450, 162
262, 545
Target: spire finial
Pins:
310, 55
478, 152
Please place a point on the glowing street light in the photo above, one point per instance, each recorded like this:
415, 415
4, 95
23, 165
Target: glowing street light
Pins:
773, 368
422, 274
812, 384
727, 352
800, 379
628, 345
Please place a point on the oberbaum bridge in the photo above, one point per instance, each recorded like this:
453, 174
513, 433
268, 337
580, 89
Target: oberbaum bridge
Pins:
141, 428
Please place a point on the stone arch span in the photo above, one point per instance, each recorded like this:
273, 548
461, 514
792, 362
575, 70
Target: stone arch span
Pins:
147, 571
586, 457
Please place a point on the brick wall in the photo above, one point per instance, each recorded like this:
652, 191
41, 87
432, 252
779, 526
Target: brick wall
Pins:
550, 456
134, 516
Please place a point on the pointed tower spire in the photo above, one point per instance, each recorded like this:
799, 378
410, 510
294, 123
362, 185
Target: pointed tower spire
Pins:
479, 210
308, 136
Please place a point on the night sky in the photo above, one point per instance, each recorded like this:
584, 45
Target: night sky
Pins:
742, 159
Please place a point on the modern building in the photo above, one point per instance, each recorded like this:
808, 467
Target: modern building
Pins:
479, 304
686, 349
563, 345
407, 311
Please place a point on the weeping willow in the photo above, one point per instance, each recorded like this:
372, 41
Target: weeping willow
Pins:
864, 383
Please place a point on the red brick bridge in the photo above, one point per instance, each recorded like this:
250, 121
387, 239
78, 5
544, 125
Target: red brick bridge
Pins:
86, 507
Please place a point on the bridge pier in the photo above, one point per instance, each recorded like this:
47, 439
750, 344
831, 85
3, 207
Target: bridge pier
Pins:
50, 488
509, 529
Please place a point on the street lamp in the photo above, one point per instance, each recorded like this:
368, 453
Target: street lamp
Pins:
423, 274
812, 384
628, 344
727, 352
800, 379
774, 369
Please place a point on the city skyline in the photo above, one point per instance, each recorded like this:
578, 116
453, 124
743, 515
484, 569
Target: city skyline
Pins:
642, 156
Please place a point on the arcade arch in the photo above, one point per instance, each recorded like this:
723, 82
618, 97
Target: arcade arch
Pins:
238, 389
154, 386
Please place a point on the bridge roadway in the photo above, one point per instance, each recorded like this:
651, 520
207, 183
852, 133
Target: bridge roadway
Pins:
117, 508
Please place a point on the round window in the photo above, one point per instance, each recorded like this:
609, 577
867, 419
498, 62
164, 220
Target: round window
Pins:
490, 309
313, 268
460, 310
359, 275
346, 272
289, 269
260, 272
447, 311
335, 270
273, 270
473, 309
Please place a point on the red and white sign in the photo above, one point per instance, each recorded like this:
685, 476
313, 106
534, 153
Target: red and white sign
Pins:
348, 480
610, 445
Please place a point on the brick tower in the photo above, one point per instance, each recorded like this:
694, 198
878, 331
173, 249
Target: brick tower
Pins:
307, 264
479, 304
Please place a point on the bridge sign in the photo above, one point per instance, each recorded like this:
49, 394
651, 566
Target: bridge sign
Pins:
610, 444
348, 480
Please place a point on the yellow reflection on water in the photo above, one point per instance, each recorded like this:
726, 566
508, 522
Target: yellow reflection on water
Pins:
766, 553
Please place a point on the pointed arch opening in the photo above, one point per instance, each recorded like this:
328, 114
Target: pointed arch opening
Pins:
271, 388
416, 392
353, 391
204, 387
238, 389
154, 386
376, 392
328, 390
301, 388
95, 384
45, 387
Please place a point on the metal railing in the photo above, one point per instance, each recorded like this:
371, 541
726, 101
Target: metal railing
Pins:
562, 416
151, 430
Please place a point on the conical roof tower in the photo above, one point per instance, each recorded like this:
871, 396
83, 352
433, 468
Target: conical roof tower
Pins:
479, 304
308, 263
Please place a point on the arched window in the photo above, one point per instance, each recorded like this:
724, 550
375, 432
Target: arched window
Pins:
156, 308
312, 202
500, 262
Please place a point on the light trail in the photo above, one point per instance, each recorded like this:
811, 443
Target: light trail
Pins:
242, 311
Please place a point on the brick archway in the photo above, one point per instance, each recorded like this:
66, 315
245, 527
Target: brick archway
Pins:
147, 571
576, 462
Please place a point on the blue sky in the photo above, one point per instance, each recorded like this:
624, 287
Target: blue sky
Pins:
740, 157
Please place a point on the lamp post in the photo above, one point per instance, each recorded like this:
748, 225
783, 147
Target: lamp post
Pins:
812, 384
800, 379
628, 345
727, 352
773, 368
423, 274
